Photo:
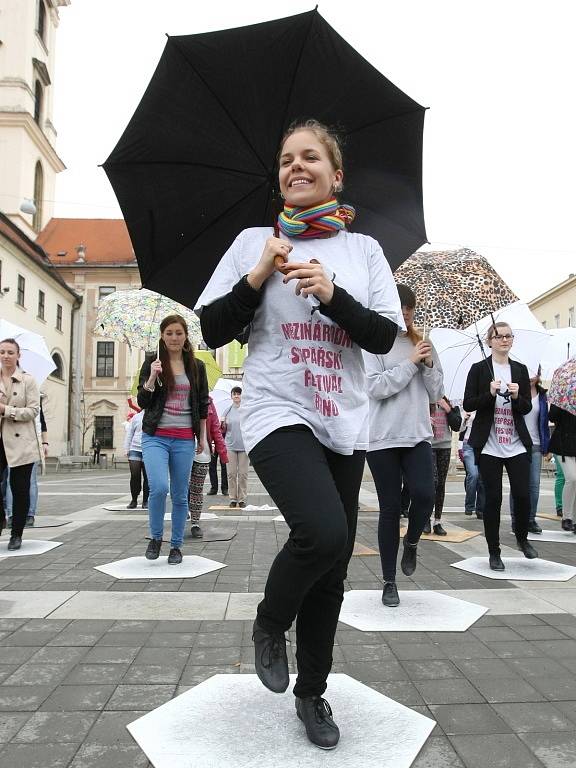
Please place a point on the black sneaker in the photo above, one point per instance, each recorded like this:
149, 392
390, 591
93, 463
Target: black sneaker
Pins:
480, 515
427, 528
496, 563
133, 504
153, 549
145, 504
315, 713
14, 543
408, 562
233, 504
225, 492
559, 512
29, 521
534, 528
175, 556
567, 525
438, 530
241, 504
211, 492
390, 597
196, 532
270, 659
469, 512
527, 550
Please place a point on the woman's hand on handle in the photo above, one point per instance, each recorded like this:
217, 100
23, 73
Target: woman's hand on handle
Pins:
275, 254
422, 353
312, 280
513, 388
495, 387
155, 371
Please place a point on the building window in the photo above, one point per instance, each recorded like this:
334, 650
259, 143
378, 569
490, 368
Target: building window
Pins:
557, 321
571, 318
21, 291
58, 373
104, 429
41, 304
105, 290
38, 99
38, 196
58, 317
41, 20
105, 358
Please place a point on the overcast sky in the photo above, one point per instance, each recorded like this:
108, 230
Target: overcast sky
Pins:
497, 75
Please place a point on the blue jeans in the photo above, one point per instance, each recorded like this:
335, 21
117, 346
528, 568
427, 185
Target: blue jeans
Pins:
7, 493
535, 469
168, 457
473, 484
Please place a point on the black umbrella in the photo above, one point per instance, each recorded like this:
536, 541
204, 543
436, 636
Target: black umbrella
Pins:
197, 161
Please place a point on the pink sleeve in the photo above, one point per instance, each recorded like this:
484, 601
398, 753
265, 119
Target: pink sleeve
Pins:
216, 434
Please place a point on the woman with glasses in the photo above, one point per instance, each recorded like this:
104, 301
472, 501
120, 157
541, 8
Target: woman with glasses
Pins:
498, 389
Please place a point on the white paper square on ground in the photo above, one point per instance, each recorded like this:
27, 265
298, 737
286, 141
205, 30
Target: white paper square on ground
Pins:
29, 547
140, 568
565, 537
419, 611
518, 569
232, 721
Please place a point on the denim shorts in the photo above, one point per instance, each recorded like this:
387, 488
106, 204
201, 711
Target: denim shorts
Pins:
135, 455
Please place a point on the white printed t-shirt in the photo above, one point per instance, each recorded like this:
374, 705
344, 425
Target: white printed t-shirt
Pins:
302, 368
503, 440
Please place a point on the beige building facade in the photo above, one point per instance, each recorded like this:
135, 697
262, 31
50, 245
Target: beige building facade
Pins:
28, 159
556, 307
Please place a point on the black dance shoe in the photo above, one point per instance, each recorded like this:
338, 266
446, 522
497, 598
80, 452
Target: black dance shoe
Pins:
175, 556
438, 530
390, 597
496, 563
315, 713
153, 549
527, 549
14, 543
270, 658
408, 562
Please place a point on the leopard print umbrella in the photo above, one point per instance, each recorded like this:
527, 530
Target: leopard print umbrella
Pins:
453, 288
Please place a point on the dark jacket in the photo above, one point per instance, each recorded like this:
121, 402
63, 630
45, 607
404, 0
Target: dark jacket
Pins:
563, 440
477, 398
543, 427
154, 402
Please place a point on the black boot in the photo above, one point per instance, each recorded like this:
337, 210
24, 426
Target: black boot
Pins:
270, 658
133, 504
527, 549
408, 562
495, 561
427, 528
212, 492
390, 597
153, 549
14, 543
315, 713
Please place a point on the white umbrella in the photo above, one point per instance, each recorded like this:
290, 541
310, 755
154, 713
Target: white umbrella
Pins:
458, 350
35, 357
221, 394
561, 347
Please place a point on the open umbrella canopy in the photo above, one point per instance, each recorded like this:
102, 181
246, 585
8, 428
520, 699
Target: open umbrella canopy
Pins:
197, 161
213, 370
459, 349
35, 357
453, 288
134, 317
562, 390
561, 347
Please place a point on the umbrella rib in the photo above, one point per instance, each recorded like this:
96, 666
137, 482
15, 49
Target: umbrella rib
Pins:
218, 101
162, 266
364, 127
180, 163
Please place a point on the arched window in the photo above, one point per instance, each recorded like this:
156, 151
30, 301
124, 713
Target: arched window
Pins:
38, 99
41, 26
38, 196
58, 362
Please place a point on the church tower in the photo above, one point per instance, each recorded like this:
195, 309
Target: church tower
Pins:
28, 159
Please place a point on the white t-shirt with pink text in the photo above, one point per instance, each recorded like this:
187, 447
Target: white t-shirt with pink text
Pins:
302, 368
503, 440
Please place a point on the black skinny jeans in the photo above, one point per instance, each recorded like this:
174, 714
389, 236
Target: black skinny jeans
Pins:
518, 469
20, 487
317, 492
137, 471
213, 470
388, 466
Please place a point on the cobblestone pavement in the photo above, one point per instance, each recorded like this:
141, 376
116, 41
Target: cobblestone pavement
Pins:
76, 667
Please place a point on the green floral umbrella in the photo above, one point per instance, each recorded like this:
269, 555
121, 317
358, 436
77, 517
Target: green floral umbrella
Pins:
135, 316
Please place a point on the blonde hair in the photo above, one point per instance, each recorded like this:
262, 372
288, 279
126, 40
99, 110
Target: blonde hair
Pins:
493, 330
325, 136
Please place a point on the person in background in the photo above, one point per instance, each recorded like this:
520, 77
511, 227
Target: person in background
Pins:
173, 390
445, 419
563, 445
559, 485
498, 389
401, 384
96, 449
473, 485
20, 447
6, 489
133, 448
213, 473
537, 423
237, 456
200, 468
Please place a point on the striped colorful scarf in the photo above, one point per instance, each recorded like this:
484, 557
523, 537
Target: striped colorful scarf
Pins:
319, 221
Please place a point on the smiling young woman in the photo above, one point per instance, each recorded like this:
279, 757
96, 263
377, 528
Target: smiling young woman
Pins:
304, 412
